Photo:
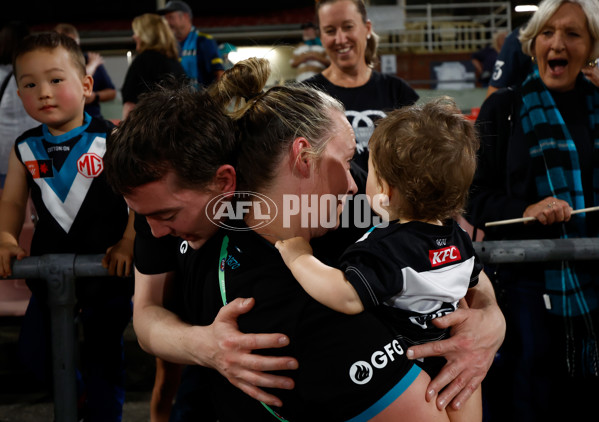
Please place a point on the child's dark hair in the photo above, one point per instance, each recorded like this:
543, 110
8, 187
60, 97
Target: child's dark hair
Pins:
428, 154
50, 41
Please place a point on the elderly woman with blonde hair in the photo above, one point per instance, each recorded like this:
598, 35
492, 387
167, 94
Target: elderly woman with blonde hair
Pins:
539, 158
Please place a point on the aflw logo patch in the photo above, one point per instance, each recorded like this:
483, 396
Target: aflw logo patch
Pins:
40, 169
444, 256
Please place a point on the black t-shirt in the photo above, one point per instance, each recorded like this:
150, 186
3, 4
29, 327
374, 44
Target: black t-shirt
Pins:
512, 66
365, 104
346, 363
153, 255
148, 69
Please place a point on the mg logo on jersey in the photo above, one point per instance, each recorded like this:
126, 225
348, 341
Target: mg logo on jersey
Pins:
90, 165
444, 256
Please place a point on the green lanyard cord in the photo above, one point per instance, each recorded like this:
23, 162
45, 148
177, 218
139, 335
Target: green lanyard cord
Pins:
222, 262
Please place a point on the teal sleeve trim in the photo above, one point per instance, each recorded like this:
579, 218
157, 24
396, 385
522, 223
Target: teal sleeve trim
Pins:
390, 397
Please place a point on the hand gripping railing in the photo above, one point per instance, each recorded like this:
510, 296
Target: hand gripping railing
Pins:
60, 271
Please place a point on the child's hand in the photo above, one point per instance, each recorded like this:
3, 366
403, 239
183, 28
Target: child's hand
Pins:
293, 248
7, 252
119, 257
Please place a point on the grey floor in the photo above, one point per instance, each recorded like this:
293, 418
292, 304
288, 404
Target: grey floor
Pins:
39, 408
22, 400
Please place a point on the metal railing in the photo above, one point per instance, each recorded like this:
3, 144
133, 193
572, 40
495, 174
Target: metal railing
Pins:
447, 28
539, 250
61, 270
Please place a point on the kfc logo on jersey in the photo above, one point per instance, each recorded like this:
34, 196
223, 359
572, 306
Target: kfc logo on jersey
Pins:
444, 256
90, 165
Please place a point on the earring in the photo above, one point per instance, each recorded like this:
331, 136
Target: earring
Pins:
533, 59
368, 36
591, 63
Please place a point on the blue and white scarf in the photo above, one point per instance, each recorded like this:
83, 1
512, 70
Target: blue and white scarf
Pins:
572, 294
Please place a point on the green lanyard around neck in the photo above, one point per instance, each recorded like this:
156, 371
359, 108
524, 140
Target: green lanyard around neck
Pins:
222, 263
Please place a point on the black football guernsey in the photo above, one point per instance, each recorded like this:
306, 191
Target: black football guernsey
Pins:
417, 271
350, 367
77, 210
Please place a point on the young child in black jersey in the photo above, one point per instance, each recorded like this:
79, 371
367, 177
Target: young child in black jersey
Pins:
419, 264
60, 163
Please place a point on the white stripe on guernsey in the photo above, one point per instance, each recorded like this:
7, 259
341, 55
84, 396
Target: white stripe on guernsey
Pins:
447, 284
65, 213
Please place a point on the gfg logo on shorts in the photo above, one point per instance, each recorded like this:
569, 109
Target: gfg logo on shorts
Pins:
361, 372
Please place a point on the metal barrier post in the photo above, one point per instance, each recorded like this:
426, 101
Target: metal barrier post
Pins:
59, 273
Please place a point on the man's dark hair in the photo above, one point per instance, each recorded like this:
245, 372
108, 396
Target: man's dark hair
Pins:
171, 129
